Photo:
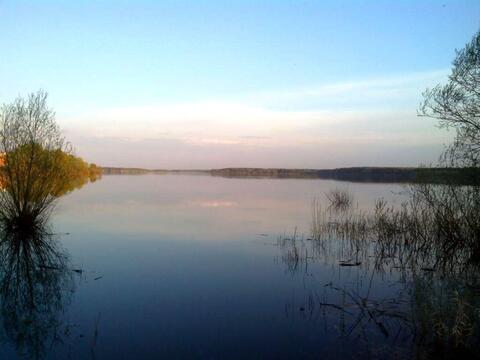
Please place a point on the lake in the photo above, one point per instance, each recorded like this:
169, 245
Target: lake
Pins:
192, 266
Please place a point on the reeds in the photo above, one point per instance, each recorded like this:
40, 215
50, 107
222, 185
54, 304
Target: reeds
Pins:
339, 198
437, 228
432, 240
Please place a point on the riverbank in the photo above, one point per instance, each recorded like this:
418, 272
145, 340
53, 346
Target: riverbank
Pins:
355, 174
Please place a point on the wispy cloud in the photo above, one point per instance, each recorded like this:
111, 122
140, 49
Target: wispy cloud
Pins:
379, 92
380, 111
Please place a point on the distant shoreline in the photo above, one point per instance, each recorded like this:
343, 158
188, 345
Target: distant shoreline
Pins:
354, 174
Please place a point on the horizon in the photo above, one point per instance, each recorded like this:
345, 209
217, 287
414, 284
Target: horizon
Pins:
269, 179
258, 168
205, 86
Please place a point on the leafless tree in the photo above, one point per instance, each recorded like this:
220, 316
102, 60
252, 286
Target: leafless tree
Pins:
456, 104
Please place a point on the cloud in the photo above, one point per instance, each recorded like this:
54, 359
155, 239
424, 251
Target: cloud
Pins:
375, 92
200, 122
377, 112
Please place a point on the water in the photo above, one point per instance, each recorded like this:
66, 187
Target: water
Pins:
188, 266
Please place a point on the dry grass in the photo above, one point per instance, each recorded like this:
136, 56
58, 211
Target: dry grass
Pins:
438, 228
432, 241
339, 198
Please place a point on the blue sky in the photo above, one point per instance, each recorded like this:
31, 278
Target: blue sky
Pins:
240, 83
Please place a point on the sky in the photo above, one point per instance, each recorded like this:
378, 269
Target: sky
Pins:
211, 84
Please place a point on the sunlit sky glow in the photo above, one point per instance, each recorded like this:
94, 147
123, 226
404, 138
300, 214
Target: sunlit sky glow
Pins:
209, 84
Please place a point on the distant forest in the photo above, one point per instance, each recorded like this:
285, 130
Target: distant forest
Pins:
355, 174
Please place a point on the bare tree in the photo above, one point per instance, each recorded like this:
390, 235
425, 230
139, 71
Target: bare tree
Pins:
32, 146
456, 104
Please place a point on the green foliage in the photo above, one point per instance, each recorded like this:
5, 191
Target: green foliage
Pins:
73, 173
33, 177
28, 165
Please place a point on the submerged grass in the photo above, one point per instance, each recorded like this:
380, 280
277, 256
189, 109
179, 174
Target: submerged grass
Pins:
438, 227
432, 241
339, 198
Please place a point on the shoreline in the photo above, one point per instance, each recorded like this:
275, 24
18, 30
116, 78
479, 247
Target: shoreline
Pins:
459, 176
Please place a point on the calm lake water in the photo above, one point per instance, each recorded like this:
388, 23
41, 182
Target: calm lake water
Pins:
189, 266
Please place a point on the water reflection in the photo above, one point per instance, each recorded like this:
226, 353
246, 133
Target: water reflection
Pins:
36, 279
188, 273
35, 285
392, 291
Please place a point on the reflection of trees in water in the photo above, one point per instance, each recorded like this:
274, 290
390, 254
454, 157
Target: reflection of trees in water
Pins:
35, 281
405, 280
35, 285
37, 168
